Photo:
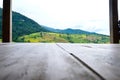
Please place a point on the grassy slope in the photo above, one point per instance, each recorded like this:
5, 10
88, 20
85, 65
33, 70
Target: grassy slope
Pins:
0, 40
63, 38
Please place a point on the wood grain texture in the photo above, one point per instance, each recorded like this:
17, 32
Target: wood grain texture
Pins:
37, 61
103, 58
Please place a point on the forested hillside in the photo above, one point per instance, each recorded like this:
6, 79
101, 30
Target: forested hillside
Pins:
22, 25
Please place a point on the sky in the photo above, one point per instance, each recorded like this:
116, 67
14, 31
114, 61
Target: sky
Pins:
89, 15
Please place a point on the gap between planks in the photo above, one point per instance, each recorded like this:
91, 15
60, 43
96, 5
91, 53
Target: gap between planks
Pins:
82, 62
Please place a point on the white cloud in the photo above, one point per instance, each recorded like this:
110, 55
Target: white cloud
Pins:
1, 3
119, 9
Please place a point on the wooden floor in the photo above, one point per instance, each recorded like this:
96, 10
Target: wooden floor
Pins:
61, 61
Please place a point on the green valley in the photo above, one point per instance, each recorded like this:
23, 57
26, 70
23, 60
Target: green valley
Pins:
47, 37
25, 29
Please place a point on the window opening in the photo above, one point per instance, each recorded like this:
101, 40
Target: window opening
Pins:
65, 21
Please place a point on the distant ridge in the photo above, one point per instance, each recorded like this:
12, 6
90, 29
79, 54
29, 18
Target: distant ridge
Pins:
68, 31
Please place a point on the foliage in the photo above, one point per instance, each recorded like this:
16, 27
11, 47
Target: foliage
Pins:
47, 37
23, 26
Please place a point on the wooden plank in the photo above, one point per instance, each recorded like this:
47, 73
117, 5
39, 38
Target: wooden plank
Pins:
32, 61
103, 58
7, 21
114, 29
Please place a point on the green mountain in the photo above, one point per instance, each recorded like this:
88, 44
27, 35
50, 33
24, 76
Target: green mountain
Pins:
27, 30
22, 25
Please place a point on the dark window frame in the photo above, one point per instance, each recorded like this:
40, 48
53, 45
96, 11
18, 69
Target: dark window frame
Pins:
7, 21
113, 14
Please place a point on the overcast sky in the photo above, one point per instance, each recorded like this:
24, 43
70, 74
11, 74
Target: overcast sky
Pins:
90, 15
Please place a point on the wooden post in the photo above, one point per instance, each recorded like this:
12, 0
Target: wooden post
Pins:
114, 29
119, 29
7, 21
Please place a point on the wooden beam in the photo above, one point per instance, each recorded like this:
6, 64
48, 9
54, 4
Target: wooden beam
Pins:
7, 21
114, 29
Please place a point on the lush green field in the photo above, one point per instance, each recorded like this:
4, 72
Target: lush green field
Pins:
48, 37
